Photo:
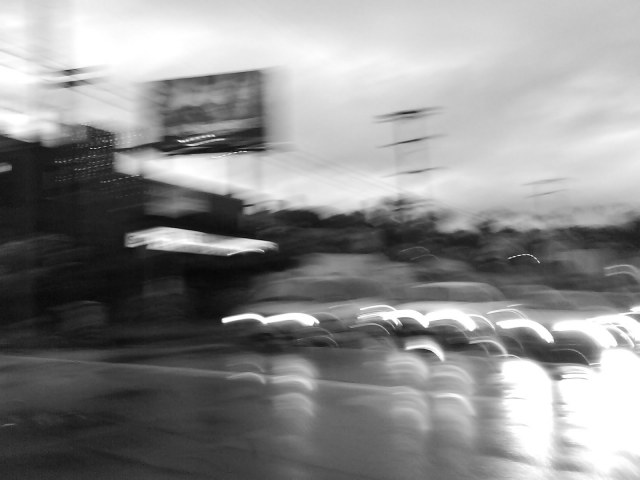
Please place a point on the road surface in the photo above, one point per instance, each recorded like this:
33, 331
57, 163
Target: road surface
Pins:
313, 414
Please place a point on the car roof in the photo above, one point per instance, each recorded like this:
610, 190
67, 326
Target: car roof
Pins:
453, 284
320, 278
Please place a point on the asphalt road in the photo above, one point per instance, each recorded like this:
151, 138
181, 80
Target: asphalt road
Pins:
313, 414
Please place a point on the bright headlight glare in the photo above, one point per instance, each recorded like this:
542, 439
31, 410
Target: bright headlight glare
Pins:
542, 332
456, 315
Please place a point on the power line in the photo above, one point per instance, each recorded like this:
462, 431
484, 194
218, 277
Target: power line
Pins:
360, 175
413, 172
343, 169
332, 181
408, 114
57, 68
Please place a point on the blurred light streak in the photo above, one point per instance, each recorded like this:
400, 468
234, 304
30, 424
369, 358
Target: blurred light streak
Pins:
622, 338
305, 381
295, 410
384, 307
523, 255
451, 314
531, 421
526, 379
252, 376
294, 364
453, 371
629, 324
542, 332
576, 372
412, 413
605, 409
407, 369
301, 318
410, 410
528, 406
246, 360
294, 406
425, 344
243, 316
510, 310
489, 341
360, 325
461, 399
246, 250
394, 316
327, 338
382, 316
476, 317
623, 269
412, 314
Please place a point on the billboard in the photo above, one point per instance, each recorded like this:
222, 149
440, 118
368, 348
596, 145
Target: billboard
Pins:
214, 113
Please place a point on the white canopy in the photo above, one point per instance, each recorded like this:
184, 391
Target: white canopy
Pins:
189, 241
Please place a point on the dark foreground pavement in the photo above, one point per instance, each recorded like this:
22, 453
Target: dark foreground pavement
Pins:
312, 414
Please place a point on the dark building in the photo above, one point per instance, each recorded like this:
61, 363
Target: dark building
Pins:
97, 212
19, 186
88, 155
179, 207
82, 196
73, 190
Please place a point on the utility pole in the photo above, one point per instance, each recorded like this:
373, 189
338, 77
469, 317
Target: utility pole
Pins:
71, 78
397, 119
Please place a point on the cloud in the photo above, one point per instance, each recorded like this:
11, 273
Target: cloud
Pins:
531, 90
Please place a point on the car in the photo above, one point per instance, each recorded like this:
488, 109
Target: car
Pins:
453, 292
340, 295
562, 336
454, 314
306, 310
544, 298
473, 297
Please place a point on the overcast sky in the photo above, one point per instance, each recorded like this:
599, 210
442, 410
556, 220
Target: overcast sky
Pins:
530, 90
